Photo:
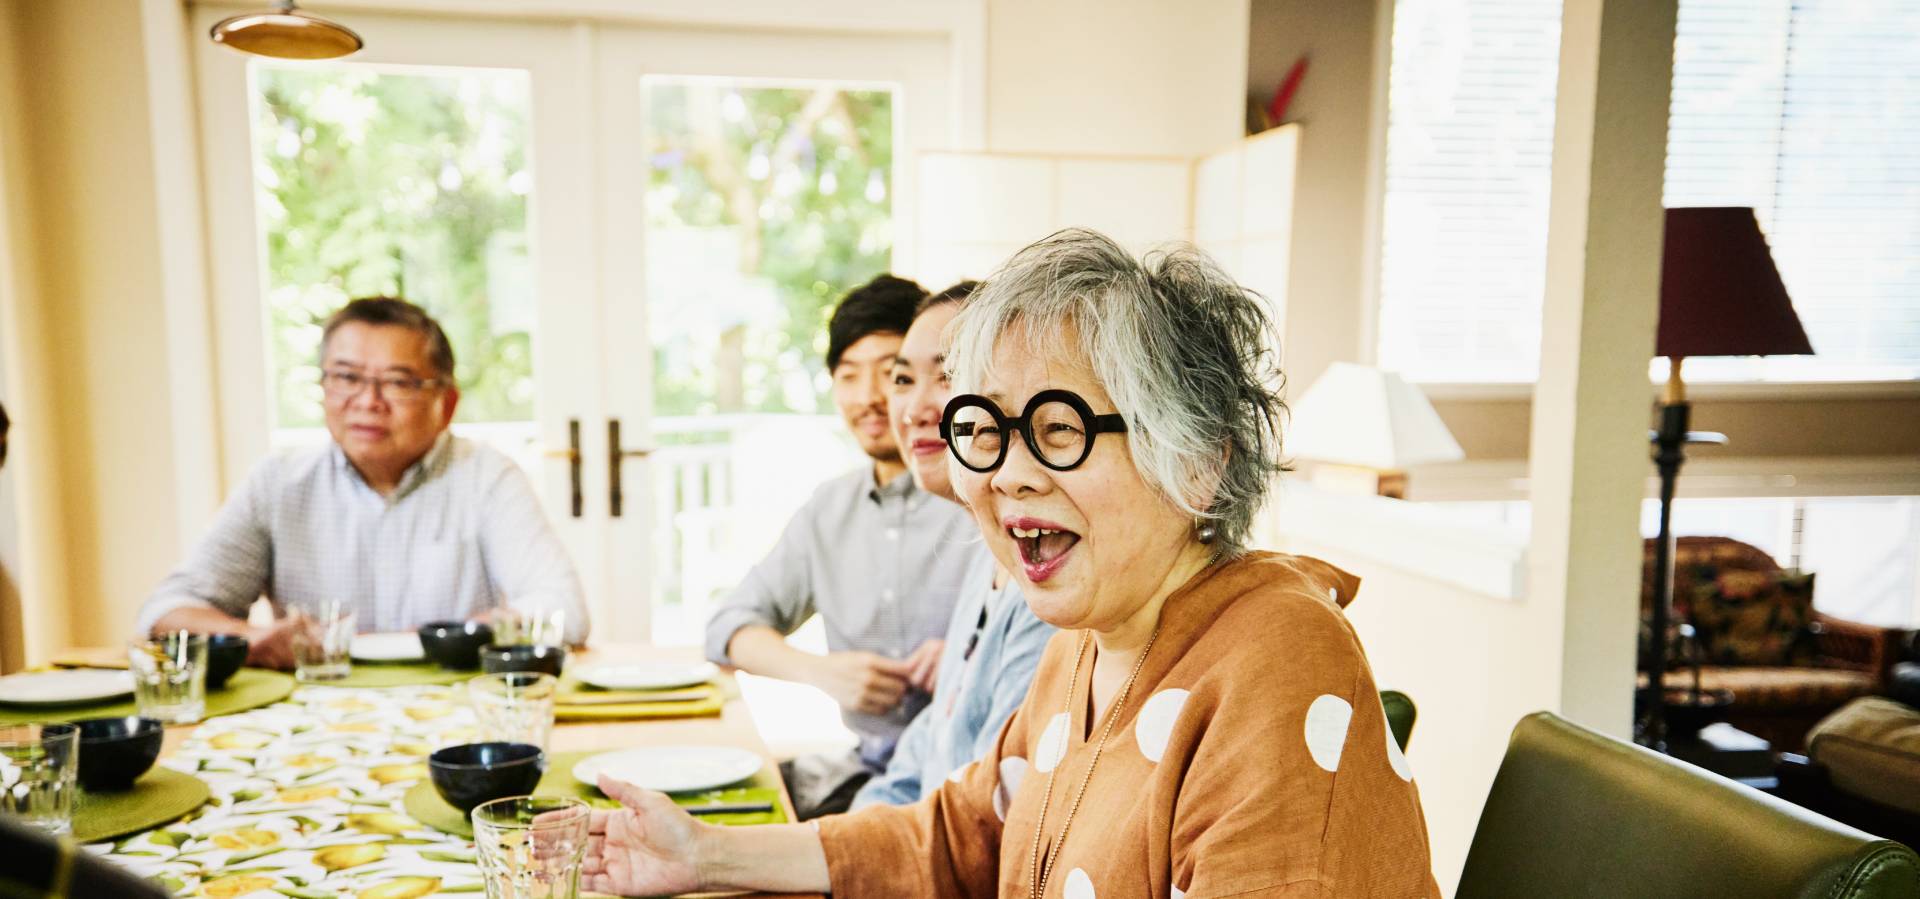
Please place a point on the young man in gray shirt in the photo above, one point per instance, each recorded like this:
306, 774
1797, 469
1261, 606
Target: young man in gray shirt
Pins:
880, 560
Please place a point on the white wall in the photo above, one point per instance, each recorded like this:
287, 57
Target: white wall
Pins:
1244, 207
1115, 77
97, 252
977, 209
1341, 106
1473, 664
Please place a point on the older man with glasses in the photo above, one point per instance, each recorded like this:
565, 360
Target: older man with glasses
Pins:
396, 515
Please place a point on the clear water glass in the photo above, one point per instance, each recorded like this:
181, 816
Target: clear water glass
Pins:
38, 767
514, 706
531, 847
323, 641
524, 627
170, 676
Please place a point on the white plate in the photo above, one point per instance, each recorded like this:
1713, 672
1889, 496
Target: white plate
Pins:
645, 675
671, 769
388, 648
65, 687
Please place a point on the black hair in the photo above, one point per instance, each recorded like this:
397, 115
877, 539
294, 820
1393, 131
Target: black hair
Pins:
958, 293
398, 312
884, 305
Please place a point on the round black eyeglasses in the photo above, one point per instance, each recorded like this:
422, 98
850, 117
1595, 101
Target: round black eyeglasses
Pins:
1058, 425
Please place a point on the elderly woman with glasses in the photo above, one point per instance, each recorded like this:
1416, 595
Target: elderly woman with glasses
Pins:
1205, 724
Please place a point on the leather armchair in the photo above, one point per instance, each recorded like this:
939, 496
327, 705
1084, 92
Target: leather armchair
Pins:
1573, 813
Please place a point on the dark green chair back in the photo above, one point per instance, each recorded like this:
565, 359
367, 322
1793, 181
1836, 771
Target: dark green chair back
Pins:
1576, 814
1400, 715
37, 866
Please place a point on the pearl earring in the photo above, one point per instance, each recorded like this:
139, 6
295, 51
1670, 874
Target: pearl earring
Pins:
1205, 531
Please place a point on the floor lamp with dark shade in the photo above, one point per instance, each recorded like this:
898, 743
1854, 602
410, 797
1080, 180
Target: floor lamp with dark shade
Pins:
1720, 295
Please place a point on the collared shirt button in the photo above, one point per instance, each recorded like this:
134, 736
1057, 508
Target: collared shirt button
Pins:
893, 533
887, 594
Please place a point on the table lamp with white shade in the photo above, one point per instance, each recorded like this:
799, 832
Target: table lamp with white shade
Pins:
1365, 427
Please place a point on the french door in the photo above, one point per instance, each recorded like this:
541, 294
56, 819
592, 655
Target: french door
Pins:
632, 236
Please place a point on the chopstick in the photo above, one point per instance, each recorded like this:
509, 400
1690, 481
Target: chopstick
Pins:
729, 808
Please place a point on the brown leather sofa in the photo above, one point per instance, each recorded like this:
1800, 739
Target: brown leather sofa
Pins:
1834, 662
1576, 814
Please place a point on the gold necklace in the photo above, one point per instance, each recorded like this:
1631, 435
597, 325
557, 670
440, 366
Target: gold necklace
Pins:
1037, 875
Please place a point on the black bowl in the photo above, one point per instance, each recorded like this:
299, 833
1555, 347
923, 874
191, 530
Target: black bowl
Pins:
225, 654
546, 659
114, 752
455, 645
472, 773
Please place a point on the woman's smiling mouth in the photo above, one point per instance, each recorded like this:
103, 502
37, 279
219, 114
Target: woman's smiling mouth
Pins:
1044, 546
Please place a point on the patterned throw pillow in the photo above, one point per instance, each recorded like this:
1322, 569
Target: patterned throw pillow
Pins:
1755, 617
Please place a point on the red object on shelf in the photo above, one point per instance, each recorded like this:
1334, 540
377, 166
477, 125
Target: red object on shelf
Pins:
1283, 97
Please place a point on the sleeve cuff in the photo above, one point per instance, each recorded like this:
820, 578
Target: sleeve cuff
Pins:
721, 628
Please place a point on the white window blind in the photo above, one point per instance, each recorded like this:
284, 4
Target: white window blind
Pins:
1809, 111
1806, 110
1469, 145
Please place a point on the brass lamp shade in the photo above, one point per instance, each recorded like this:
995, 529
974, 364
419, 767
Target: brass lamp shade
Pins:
287, 33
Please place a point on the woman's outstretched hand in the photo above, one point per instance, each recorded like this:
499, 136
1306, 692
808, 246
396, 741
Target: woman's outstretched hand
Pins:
645, 848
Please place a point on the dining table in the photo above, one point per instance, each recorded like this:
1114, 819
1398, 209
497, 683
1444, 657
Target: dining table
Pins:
309, 796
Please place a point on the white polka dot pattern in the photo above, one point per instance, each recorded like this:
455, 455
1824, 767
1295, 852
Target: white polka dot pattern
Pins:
1078, 885
1327, 720
1053, 743
1013, 770
1154, 725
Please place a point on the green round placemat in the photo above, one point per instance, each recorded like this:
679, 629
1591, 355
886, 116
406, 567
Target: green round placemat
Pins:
159, 796
250, 688
423, 803
366, 674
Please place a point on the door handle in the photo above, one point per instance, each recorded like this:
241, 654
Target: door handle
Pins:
572, 455
615, 455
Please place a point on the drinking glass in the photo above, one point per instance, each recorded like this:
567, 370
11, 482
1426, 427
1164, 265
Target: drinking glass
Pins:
170, 676
514, 706
531, 847
38, 764
523, 627
322, 641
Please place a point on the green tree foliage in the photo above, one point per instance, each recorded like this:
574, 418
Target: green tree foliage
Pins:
416, 185
398, 184
802, 176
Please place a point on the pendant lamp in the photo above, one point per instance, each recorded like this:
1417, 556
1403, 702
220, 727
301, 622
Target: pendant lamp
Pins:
287, 33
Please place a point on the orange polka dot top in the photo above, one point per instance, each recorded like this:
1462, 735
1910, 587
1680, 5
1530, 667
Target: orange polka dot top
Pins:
1251, 759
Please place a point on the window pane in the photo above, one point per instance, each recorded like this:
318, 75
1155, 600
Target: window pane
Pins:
1802, 109
1806, 111
402, 183
1469, 143
765, 204
1863, 550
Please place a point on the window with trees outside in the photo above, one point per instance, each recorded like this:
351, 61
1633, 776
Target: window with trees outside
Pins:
766, 203
411, 183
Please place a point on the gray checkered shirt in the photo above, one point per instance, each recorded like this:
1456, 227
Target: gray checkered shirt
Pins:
460, 534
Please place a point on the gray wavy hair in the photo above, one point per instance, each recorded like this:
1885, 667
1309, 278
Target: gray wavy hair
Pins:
1187, 355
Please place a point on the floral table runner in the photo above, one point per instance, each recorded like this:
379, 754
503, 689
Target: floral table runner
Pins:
307, 802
